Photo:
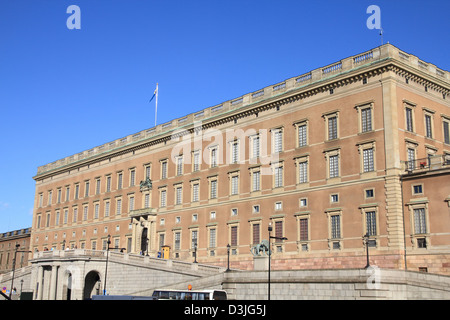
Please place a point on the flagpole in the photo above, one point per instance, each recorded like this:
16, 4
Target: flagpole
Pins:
156, 105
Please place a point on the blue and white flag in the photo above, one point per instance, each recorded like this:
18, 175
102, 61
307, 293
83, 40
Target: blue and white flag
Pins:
155, 94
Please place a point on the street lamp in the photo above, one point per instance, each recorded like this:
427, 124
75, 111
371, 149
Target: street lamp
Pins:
106, 268
366, 242
14, 268
270, 251
228, 260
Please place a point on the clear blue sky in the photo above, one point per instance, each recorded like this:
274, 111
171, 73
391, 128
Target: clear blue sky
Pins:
65, 91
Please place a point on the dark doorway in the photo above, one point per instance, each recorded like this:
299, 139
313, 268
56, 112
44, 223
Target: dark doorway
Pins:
69, 286
91, 285
144, 241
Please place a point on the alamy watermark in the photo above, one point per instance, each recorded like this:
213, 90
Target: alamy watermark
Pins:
374, 279
74, 20
227, 146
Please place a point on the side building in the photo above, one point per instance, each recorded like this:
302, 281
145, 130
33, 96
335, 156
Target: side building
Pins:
12, 246
323, 158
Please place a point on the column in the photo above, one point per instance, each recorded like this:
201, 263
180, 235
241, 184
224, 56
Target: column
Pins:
53, 279
39, 283
394, 208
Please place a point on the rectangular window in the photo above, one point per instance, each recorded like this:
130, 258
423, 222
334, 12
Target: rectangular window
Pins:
213, 157
178, 197
366, 120
371, 223
278, 177
163, 198
368, 164
255, 147
336, 227
97, 186
302, 141
303, 172
256, 181
213, 193
196, 162
179, 165
256, 233
164, 169
234, 185
108, 183
428, 128
417, 189
77, 190
212, 238
96, 210
161, 240
132, 177
409, 119
119, 206
107, 204
420, 225
234, 234
277, 140
147, 171
332, 128
304, 229
279, 229
85, 213
446, 128
195, 192
86, 189
194, 238
147, 200
334, 166
130, 204
119, 180
177, 240
411, 158
234, 152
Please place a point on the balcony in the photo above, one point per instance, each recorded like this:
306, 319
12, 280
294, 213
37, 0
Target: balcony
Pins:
432, 163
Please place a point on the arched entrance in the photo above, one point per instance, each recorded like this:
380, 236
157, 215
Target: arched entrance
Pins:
91, 285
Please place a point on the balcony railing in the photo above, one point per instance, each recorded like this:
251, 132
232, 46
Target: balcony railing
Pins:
435, 162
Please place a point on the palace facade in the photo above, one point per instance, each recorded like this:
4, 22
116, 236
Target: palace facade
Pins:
358, 147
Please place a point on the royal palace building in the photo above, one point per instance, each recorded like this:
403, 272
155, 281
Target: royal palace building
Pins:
351, 156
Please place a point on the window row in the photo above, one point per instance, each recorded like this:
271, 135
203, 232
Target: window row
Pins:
79, 213
276, 172
429, 120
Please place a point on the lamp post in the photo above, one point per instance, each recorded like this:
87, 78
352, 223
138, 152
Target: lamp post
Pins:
366, 242
14, 268
270, 251
228, 260
106, 268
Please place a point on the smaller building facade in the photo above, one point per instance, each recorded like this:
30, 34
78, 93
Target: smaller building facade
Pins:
10, 242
